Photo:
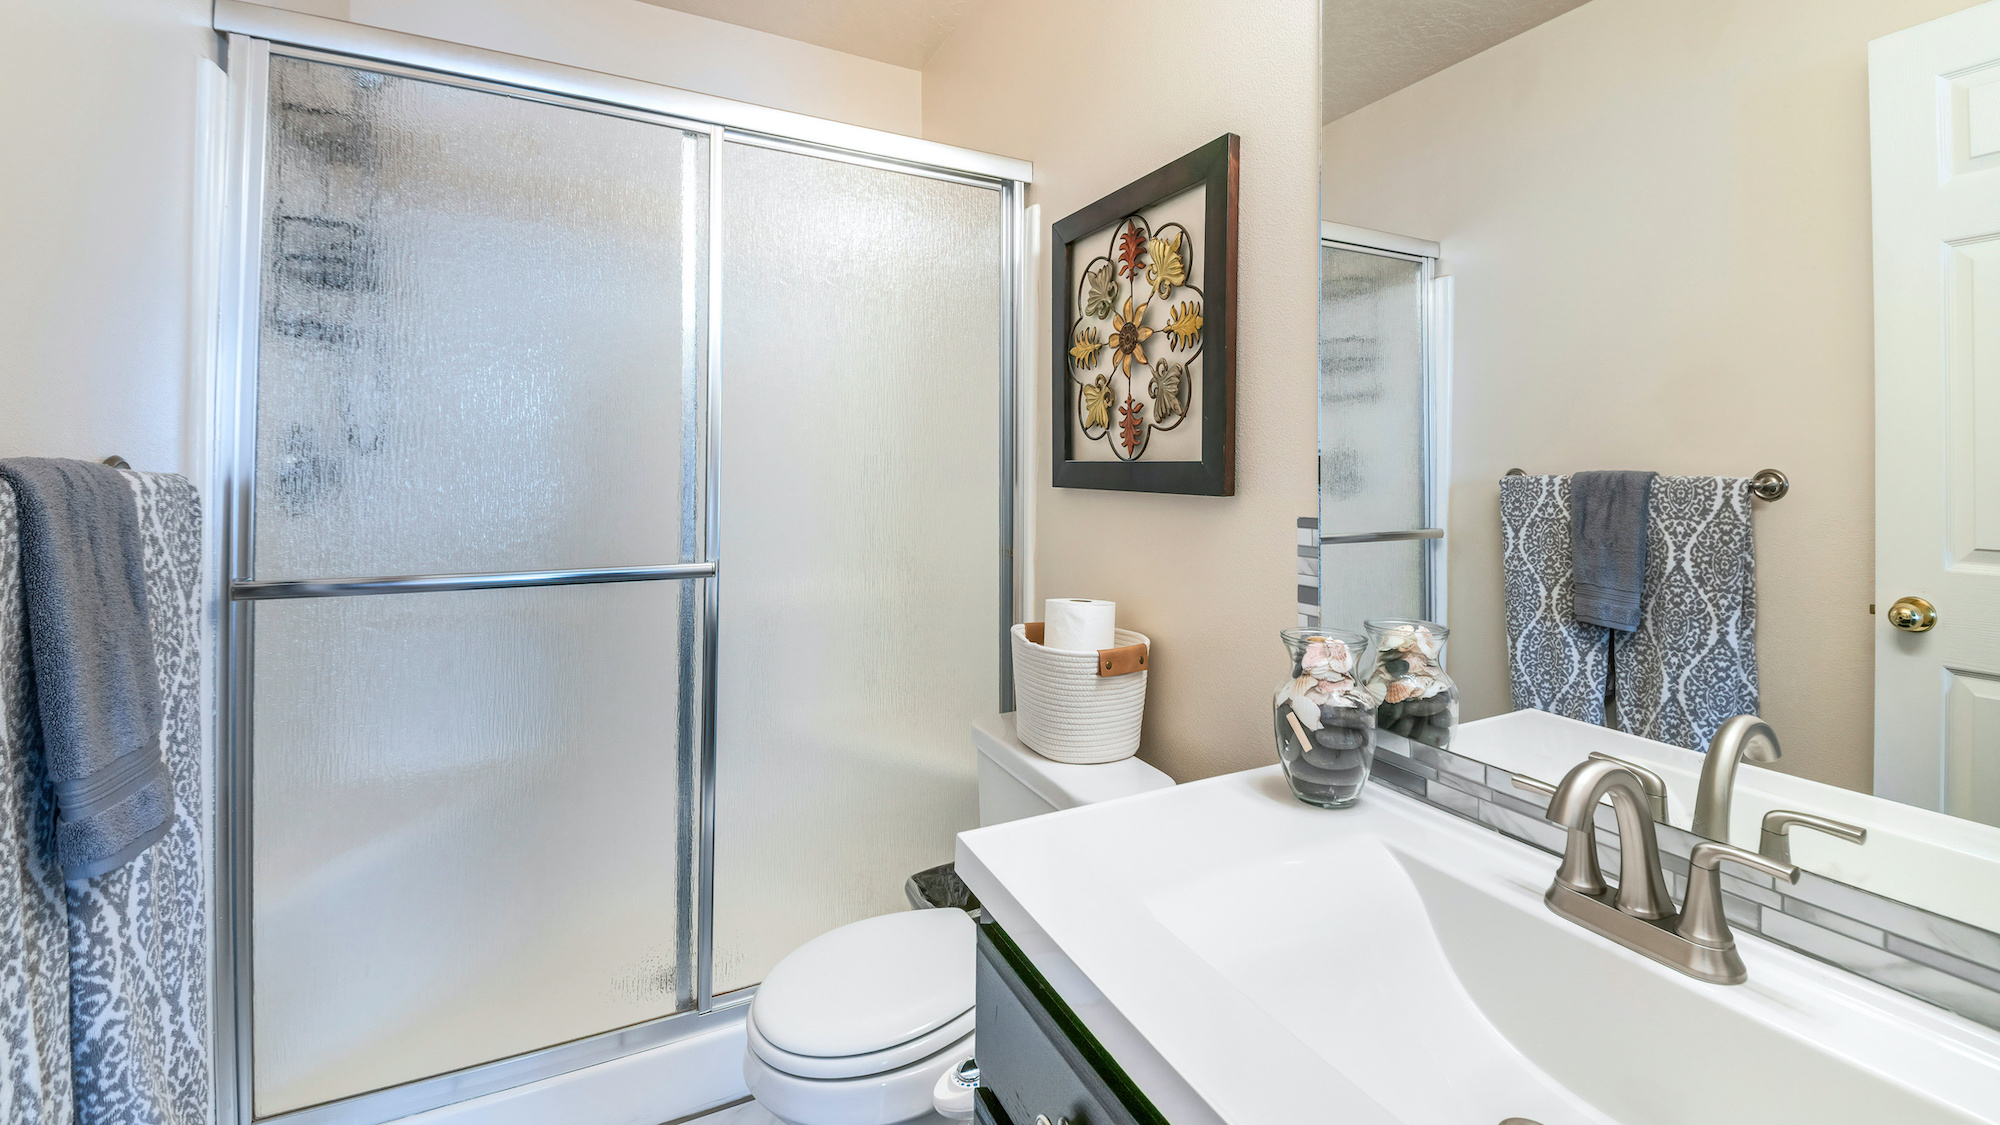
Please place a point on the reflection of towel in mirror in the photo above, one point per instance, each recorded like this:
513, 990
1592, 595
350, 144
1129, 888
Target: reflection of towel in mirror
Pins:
1556, 663
1608, 541
1692, 662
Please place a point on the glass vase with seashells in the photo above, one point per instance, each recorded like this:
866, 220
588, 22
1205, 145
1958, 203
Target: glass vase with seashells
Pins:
1324, 716
1413, 696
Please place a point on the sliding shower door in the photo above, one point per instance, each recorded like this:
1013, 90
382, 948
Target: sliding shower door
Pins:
1381, 534
480, 359
861, 502
619, 551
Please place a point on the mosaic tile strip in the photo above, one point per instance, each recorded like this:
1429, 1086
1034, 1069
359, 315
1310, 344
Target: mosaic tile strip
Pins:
1308, 572
1933, 958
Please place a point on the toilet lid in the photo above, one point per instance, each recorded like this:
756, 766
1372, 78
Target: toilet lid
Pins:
869, 985
953, 1036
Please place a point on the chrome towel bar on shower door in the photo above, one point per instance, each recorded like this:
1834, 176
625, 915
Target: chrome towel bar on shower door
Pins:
1385, 536
440, 583
1765, 484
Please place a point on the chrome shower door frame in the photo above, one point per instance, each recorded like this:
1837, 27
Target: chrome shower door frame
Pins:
254, 35
1434, 332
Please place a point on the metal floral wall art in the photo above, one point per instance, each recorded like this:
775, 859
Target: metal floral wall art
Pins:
1116, 353
1143, 365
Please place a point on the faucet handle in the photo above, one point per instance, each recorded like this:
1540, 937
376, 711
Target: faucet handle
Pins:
1656, 786
1528, 784
1702, 920
1776, 842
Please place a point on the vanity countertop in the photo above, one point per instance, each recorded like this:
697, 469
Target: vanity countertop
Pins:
1249, 959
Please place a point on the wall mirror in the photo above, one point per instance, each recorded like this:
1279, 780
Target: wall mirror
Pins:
1701, 240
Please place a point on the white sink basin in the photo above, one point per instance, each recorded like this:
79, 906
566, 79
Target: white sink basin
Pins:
1942, 863
1249, 959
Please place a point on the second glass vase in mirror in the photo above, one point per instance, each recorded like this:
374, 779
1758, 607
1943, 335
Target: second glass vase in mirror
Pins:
1413, 697
1325, 718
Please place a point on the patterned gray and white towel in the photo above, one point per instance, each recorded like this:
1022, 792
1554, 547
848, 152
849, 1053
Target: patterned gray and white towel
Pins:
104, 983
1692, 663
1557, 664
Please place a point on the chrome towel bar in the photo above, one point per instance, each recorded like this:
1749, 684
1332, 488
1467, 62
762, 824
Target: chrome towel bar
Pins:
256, 591
1385, 536
1765, 484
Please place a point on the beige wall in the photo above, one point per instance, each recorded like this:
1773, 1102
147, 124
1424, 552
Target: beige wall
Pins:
653, 44
96, 222
1097, 94
1657, 213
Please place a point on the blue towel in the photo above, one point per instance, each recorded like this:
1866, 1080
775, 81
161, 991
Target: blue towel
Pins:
1608, 543
97, 682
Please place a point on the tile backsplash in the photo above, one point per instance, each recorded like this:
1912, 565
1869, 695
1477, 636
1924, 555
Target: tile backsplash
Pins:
1308, 572
1933, 958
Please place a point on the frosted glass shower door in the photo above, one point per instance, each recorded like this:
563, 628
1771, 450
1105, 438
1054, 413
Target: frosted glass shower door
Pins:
479, 353
860, 499
1374, 437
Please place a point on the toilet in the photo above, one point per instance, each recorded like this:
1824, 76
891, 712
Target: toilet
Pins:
856, 1026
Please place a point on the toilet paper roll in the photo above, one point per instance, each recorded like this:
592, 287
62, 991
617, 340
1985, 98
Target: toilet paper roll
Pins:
1079, 624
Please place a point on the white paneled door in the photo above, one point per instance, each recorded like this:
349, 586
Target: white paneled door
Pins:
1934, 97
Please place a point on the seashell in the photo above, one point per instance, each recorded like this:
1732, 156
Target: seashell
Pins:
1426, 642
1411, 640
1288, 694
1398, 691
1286, 691
1400, 637
1308, 713
1327, 659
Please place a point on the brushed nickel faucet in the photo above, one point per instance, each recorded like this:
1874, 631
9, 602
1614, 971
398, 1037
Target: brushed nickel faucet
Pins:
1639, 913
1745, 737
1656, 786
1642, 888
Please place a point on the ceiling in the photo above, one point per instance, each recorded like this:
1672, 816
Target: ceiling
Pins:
903, 32
1370, 49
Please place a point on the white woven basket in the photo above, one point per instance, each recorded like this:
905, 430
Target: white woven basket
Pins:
1066, 712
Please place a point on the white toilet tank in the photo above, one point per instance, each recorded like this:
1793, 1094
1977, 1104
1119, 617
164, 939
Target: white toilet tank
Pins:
1016, 782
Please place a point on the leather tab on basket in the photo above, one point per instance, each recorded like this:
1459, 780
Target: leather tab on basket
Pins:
1033, 630
1121, 660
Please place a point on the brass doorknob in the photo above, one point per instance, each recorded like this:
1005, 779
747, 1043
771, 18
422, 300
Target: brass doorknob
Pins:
1913, 614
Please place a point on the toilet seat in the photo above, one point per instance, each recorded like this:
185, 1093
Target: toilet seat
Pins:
868, 987
855, 1026
903, 1096
858, 1066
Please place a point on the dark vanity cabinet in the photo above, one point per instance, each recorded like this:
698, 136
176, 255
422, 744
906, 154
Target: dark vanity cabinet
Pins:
1038, 1064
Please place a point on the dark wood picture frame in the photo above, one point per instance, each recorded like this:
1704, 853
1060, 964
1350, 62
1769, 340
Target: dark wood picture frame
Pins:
1214, 165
